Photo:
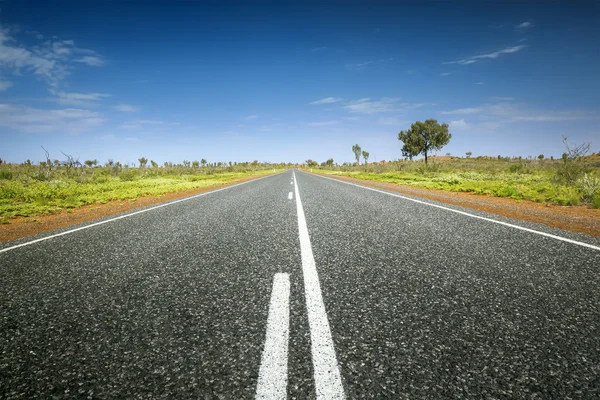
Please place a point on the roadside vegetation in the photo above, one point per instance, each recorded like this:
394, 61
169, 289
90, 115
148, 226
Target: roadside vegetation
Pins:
574, 179
52, 186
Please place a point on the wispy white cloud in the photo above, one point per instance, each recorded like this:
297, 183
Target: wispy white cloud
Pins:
363, 65
368, 106
458, 124
251, 117
326, 100
93, 61
78, 99
126, 108
52, 60
324, 123
479, 83
496, 54
470, 110
505, 112
524, 26
445, 73
386, 104
318, 49
33, 120
499, 98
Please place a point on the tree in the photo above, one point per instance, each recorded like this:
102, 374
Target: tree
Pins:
541, 157
329, 162
423, 137
365, 155
469, 154
195, 164
311, 163
89, 163
357, 151
203, 162
143, 161
154, 164
412, 145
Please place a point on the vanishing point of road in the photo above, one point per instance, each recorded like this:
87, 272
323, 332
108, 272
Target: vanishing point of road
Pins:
300, 286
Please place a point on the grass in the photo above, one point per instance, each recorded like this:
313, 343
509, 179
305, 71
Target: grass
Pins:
532, 180
27, 197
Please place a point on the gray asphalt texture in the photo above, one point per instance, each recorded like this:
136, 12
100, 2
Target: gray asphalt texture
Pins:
422, 302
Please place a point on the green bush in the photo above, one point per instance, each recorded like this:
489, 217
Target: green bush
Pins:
128, 174
6, 174
596, 201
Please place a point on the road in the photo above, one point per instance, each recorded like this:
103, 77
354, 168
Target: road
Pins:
247, 292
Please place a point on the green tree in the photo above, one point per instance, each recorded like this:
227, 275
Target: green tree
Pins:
89, 163
195, 164
357, 151
469, 154
541, 157
203, 162
143, 161
365, 155
311, 163
329, 162
154, 164
412, 145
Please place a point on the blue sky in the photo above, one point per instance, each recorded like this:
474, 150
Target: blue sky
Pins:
287, 81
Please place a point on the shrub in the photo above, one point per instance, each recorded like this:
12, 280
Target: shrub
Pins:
589, 187
6, 174
128, 175
596, 201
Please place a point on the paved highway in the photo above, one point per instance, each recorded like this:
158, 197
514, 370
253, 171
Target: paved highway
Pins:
299, 286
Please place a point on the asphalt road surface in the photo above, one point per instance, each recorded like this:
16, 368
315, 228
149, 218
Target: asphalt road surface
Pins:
299, 286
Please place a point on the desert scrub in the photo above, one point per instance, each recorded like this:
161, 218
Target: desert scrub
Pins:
589, 187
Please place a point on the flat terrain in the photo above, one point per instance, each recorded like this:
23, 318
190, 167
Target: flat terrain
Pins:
418, 300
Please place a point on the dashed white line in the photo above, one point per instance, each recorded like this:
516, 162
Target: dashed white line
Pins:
470, 215
273, 373
290, 195
129, 215
328, 381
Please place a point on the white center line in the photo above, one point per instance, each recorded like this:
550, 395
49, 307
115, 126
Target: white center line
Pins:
273, 374
290, 195
328, 381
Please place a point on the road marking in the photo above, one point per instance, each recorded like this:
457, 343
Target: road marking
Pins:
328, 381
290, 195
129, 215
273, 373
469, 215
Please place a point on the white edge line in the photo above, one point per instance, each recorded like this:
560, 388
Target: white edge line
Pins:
130, 214
328, 381
273, 373
467, 214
